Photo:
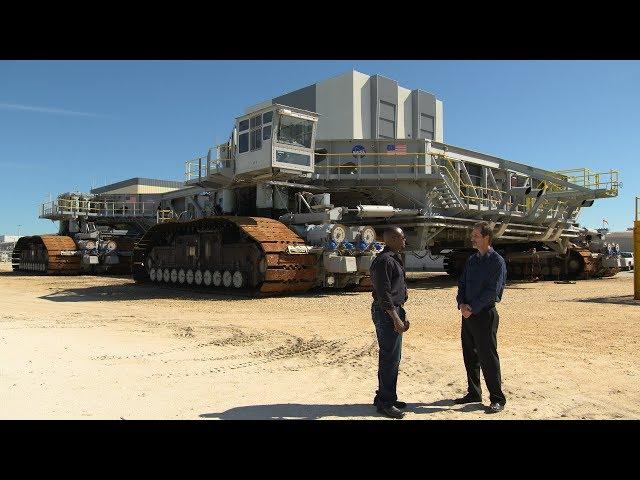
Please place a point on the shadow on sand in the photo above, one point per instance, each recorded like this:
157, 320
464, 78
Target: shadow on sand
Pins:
297, 411
132, 291
620, 300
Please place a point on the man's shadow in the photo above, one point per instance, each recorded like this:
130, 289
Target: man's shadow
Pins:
298, 411
438, 406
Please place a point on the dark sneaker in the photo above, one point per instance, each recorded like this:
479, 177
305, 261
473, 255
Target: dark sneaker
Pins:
467, 399
495, 407
397, 403
391, 412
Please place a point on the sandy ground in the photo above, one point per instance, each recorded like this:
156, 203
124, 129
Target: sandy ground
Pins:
105, 348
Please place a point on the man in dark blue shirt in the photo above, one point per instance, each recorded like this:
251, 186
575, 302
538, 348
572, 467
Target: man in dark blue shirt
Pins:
480, 287
389, 317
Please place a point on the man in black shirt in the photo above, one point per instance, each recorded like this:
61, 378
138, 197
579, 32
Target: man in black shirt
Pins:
389, 318
480, 287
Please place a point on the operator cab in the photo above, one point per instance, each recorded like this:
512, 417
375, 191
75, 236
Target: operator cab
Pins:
275, 141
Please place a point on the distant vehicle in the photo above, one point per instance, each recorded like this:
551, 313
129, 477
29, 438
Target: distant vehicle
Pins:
627, 260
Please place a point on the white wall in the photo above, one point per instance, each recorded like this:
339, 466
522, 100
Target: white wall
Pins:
439, 133
405, 108
361, 105
332, 96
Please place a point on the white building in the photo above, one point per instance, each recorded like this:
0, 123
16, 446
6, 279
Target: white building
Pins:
624, 239
9, 238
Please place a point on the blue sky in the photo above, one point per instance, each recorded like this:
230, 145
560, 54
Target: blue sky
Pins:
65, 125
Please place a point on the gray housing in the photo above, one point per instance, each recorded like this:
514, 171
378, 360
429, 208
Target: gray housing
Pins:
359, 106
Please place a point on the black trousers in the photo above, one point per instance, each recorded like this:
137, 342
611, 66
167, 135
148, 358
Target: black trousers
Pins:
480, 350
390, 343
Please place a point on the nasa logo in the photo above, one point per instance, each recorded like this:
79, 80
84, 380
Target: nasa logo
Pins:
358, 151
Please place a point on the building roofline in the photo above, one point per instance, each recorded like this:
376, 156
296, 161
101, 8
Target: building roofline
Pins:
152, 182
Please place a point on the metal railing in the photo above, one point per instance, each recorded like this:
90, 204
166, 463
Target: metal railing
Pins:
164, 216
350, 166
196, 168
486, 196
585, 177
202, 167
337, 166
63, 206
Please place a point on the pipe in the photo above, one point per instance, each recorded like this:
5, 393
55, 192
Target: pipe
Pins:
382, 211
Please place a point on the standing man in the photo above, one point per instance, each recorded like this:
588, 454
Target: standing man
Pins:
480, 287
389, 318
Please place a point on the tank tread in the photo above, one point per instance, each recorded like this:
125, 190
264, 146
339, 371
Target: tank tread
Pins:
285, 272
53, 262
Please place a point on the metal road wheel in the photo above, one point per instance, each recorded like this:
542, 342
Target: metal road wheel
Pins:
181, 276
206, 278
166, 275
198, 277
174, 275
227, 278
574, 265
152, 274
238, 279
189, 277
216, 278
159, 274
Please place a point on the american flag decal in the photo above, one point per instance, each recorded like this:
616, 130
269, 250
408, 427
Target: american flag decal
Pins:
397, 148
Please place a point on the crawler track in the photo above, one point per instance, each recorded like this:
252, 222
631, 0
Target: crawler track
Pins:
261, 261
46, 255
580, 265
